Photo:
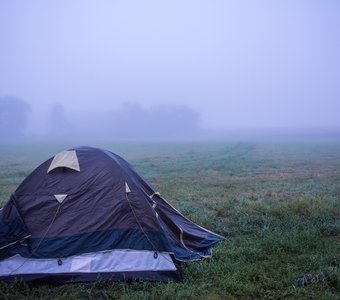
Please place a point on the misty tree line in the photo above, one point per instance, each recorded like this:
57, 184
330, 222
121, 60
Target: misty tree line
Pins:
13, 117
130, 121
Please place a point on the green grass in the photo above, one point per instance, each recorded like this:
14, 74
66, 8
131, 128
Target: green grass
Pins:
279, 205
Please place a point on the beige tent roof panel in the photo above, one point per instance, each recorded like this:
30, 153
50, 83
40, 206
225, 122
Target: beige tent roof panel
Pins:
60, 197
65, 159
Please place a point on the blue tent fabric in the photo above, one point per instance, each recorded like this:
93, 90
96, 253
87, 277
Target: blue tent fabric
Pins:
13, 231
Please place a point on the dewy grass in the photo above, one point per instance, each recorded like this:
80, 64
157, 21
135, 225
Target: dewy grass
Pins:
277, 204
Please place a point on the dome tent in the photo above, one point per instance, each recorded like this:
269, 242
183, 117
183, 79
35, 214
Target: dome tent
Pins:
86, 214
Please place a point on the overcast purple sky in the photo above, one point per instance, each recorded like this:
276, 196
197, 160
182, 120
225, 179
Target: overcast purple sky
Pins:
240, 64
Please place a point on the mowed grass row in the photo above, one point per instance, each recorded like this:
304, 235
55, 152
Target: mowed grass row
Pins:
277, 204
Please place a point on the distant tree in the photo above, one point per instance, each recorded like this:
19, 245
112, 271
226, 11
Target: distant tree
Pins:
13, 118
157, 122
57, 123
176, 120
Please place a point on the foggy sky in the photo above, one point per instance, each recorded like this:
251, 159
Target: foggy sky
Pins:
238, 64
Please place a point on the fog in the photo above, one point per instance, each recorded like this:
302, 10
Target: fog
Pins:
169, 69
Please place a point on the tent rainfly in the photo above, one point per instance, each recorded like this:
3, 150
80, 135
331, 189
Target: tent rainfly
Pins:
86, 214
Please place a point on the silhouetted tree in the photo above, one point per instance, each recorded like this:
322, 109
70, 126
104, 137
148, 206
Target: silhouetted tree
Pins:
57, 123
157, 122
13, 118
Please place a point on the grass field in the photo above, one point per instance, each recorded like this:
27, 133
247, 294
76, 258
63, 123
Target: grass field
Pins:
277, 204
